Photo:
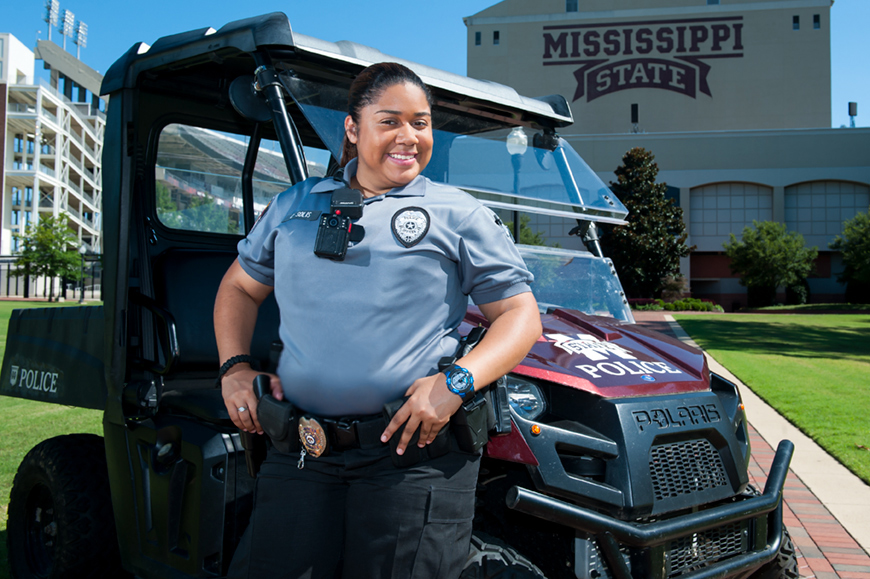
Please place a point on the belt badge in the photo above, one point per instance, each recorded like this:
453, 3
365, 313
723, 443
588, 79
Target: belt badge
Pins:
312, 436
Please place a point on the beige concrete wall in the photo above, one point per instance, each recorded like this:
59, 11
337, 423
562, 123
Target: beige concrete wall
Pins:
688, 66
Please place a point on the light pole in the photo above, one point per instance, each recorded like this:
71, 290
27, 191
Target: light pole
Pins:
83, 249
517, 143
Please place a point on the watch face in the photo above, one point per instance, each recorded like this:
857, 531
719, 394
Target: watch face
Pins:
460, 381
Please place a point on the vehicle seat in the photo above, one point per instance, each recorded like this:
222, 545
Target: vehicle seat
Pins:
185, 284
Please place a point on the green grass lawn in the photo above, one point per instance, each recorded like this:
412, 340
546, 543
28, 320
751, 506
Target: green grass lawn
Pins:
25, 423
814, 369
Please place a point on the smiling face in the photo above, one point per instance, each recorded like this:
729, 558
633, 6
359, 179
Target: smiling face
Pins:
393, 139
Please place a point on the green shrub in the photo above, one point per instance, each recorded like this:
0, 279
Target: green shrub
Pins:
692, 305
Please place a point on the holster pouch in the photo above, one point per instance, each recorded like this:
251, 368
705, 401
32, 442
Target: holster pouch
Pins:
414, 454
471, 423
280, 421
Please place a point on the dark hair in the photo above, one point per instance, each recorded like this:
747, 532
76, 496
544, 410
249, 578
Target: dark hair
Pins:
368, 86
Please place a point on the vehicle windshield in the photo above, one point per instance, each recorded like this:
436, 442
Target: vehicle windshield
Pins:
575, 280
505, 167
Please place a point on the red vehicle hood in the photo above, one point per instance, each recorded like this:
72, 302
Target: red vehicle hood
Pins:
607, 357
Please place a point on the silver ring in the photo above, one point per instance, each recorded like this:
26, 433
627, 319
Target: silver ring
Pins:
242, 409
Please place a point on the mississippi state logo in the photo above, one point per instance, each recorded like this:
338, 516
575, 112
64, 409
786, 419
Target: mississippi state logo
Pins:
410, 225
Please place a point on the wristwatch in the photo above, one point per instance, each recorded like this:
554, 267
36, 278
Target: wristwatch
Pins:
459, 381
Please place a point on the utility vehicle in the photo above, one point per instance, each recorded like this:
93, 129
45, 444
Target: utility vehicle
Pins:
619, 454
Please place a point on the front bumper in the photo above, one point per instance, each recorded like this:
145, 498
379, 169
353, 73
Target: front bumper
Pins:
761, 517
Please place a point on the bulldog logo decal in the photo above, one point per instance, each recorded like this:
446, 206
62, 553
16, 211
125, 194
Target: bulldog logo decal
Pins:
410, 225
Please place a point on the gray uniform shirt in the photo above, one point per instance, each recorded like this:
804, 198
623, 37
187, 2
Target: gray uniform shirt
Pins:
359, 332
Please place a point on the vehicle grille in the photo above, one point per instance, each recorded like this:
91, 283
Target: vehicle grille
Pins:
682, 468
700, 549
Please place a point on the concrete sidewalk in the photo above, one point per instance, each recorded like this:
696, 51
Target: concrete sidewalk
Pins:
827, 508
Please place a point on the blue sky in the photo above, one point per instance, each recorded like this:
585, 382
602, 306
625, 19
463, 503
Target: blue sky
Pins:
431, 33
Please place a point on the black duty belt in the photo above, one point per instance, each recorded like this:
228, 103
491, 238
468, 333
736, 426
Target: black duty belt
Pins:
362, 432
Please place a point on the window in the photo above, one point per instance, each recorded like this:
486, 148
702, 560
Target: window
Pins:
571, 6
16, 217
477, 38
18, 144
28, 196
198, 180
16, 164
16, 196
817, 21
795, 22
495, 36
197, 186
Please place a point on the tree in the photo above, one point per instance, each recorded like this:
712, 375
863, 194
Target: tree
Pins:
48, 249
527, 236
199, 214
648, 249
855, 247
769, 256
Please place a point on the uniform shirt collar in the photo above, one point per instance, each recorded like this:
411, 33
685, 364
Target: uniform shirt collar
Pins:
416, 188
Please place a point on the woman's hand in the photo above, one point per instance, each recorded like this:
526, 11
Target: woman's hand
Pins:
430, 407
237, 388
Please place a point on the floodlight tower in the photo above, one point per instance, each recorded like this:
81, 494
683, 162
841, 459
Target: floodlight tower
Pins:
52, 9
69, 20
81, 39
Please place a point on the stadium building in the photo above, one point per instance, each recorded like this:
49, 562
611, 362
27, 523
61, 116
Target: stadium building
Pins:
732, 97
51, 150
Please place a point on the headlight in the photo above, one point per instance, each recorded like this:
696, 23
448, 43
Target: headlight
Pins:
525, 398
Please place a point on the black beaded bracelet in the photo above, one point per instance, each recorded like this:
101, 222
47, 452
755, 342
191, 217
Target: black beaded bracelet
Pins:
240, 359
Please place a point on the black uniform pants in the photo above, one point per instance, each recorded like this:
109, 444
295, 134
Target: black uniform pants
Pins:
354, 515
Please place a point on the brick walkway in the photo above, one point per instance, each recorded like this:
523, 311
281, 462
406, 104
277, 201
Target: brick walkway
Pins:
825, 548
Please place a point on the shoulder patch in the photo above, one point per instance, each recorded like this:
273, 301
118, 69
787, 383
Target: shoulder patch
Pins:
502, 224
262, 214
410, 225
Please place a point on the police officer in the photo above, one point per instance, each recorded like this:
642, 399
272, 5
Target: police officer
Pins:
362, 332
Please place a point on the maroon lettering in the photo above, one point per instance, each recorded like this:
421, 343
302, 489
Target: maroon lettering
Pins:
699, 36
666, 43
738, 37
644, 42
560, 44
627, 34
593, 47
575, 44
611, 41
721, 33
681, 39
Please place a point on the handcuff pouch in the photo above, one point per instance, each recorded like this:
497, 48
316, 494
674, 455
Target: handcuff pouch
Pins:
280, 421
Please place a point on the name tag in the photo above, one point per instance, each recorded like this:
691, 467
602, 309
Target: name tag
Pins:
304, 215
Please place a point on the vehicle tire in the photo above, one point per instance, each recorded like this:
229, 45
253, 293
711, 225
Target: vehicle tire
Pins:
784, 565
60, 522
490, 558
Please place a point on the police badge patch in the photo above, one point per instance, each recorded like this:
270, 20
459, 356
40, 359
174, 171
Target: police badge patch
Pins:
410, 225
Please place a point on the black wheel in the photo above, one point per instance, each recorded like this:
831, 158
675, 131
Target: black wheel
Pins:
60, 513
490, 558
784, 565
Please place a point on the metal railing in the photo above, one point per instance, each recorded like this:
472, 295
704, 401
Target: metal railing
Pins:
13, 285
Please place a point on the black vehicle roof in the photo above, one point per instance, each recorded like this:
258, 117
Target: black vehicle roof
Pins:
274, 31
